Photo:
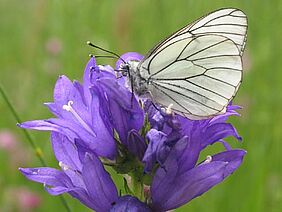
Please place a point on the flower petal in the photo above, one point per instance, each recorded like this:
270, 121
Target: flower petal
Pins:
136, 144
70, 129
57, 190
126, 113
193, 183
57, 182
64, 92
172, 166
65, 151
156, 151
80, 89
233, 157
100, 121
187, 186
98, 182
230, 111
218, 131
48, 176
53, 108
100, 145
87, 81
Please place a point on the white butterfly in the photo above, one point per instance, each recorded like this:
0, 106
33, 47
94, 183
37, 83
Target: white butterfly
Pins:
197, 70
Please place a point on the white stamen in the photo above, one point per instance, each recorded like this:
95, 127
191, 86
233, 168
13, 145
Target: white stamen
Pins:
69, 108
208, 159
168, 109
64, 166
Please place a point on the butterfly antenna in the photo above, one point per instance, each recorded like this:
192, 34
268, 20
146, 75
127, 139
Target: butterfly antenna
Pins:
104, 56
105, 50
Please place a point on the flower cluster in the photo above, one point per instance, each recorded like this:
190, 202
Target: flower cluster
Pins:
101, 123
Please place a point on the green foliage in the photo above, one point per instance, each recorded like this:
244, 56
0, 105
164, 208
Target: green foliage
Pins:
41, 40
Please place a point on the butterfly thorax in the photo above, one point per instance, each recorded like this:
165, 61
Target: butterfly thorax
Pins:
138, 84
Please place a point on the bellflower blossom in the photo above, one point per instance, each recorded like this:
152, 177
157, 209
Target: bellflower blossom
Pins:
80, 115
82, 175
100, 122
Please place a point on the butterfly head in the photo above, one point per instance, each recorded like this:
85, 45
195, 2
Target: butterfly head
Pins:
129, 68
128, 63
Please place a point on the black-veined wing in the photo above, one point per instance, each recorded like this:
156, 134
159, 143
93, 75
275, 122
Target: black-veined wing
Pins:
198, 75
198, 69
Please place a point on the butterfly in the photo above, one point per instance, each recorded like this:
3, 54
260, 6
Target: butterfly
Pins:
197, 70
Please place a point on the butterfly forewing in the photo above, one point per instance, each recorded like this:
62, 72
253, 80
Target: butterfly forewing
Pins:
229, 22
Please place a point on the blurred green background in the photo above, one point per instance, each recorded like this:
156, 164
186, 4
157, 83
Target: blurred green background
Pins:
41, 40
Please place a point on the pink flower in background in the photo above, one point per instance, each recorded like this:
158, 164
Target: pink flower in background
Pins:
20, 199
8, 140
27, 199
53, 46
9, 143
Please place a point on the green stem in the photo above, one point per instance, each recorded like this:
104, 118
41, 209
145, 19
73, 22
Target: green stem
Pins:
64, 202
137, 184
37, 150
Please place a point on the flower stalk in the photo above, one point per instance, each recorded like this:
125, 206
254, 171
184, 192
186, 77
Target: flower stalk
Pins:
37, 150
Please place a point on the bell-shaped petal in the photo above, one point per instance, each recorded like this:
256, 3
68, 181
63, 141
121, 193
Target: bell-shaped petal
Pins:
79, 113
57, 182
136, 144
170, 189
230, 111
218, 131
65, 151
85, 180
98, 182
72, 130
90, 66
125, 112
157, 150
54, 178
65, 92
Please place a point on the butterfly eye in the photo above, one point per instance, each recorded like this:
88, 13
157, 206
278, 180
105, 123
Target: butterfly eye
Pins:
124, 69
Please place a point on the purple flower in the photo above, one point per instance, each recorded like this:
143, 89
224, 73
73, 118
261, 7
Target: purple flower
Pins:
157, 152
172, 128
176, 147
175, 184
123, 113
83, 176
77, 176
90, 112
